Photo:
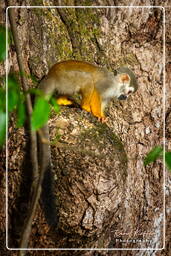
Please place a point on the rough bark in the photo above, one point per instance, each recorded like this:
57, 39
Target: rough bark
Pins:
102, 192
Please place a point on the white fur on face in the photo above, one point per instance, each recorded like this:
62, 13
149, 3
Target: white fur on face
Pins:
128, 90
119, 88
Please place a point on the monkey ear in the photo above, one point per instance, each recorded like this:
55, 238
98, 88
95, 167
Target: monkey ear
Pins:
124, 78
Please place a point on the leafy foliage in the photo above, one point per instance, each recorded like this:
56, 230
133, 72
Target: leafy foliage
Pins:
155, 153
40, 113
13, 93
2, 100
16, 99
3, 42
55, 105
168, 159
152, 155
2, 90
21, 113
2, 127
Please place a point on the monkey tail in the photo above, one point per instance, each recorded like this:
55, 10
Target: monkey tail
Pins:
48, 198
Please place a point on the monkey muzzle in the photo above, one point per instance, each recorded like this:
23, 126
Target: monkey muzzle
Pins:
122, 97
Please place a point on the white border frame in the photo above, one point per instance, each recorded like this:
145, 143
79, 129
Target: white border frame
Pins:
164, 100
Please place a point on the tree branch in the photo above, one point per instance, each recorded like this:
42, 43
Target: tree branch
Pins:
33, 150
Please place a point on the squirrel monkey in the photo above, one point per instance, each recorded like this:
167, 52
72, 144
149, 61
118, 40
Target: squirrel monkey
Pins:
95, 84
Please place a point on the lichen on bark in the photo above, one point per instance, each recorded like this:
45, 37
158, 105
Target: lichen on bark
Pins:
90, 174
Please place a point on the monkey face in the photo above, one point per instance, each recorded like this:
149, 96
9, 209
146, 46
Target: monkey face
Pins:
128, 82
125, 89
125, 92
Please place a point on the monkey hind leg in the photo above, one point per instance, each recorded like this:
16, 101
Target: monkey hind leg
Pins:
96, 105
85, 105
63, 100
86, 97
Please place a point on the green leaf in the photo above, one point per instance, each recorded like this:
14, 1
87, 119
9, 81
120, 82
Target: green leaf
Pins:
2, 100
13, 93
40, 113
13, 98
2, 127
21, 114
36, 92
55, 105
168, 159
3, 42
153, 155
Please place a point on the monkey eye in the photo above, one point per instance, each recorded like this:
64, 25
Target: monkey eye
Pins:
129, 92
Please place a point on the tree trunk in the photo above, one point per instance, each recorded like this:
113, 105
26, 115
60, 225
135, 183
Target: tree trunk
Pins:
101, 196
